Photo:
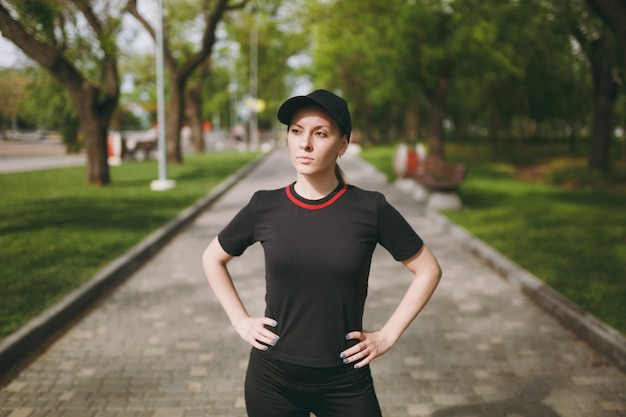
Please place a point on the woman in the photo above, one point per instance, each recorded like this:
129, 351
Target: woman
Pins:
310, 352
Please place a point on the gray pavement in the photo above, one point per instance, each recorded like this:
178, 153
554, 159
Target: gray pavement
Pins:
31, 155
160, 345
35, 163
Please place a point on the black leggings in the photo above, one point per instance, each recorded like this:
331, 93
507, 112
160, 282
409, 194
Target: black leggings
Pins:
278, 389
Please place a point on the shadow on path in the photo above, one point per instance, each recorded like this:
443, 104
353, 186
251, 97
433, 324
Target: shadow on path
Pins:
528, 403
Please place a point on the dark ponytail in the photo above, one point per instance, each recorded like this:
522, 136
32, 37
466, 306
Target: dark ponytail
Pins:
339, 174
338, 171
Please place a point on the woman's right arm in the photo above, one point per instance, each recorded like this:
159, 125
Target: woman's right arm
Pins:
252, 330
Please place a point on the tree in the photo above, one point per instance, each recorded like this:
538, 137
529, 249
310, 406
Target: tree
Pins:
607, 67
193, 106
280, 36
613, 13
180, 57
401, 59
75, 41
354, 46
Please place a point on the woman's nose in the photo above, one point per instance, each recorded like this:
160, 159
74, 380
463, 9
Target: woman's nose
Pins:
305, 142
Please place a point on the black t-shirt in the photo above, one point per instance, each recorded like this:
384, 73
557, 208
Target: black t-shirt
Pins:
317, 262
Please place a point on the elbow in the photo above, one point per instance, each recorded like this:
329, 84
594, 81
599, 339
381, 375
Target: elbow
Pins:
214, 258
438, 276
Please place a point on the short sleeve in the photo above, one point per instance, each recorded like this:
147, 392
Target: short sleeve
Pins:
394, 233
239, 233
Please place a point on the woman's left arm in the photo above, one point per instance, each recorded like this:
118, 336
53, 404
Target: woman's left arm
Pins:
427, 273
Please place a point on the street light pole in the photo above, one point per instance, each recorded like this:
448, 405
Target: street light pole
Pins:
162, 183
254, 89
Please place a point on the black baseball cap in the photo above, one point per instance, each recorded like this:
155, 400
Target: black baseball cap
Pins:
332, 103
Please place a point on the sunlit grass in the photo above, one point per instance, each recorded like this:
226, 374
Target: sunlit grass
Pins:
574, 239
55, 232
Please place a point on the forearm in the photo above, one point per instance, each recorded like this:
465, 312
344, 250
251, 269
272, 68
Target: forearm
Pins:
414, 300
426, 275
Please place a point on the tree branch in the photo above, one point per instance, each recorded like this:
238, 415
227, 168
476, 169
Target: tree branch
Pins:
131, 6
170, 62
110, 74
85, 9
237, 6
46, 55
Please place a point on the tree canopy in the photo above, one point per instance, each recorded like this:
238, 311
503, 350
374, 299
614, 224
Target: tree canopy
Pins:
412, 70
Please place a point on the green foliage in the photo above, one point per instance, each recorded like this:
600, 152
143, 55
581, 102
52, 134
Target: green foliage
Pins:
140, 71
12, 84
63, 26
39, 16
281, 34
55, 233
513, 68
48, 105
184, 26
573, 239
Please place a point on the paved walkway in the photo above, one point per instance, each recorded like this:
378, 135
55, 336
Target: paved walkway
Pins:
22, 155
160, 345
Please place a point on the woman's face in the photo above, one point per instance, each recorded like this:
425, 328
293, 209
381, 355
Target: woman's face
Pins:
315, 142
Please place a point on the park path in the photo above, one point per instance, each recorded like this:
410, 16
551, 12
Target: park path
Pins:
22, 155
160, 345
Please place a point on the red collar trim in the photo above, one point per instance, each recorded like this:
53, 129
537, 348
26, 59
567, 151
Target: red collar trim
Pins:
307, 206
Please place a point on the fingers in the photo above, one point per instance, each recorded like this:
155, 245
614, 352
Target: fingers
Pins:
356, 352
253, 331
370, 346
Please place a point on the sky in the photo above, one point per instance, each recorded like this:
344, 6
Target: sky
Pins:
9, 53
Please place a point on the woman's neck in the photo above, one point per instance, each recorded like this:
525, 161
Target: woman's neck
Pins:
315, 188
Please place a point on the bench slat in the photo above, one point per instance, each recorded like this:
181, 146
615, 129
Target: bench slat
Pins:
437, 174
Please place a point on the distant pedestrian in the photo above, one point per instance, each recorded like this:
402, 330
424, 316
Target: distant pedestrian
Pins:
310, 351
239, 133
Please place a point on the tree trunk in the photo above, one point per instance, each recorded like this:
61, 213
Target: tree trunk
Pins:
94, 121
606, 88
437, 114
494, 125
412, 122
97, 171
461, 127
193, 111
613, 12
174, 120
572, 136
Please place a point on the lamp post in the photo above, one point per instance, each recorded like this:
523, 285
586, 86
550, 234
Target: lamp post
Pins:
254, 89
162, 183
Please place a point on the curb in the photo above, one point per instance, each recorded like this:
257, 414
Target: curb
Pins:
33, 334
598, 334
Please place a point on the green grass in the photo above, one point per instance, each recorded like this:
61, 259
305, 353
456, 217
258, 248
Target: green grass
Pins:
55, 233
572, 239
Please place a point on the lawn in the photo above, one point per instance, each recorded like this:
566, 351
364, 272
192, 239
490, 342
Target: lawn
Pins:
574, 239
55, 232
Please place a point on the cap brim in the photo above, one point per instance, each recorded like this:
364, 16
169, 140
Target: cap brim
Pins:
292, 105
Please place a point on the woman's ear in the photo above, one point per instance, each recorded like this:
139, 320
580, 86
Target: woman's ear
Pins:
343, 147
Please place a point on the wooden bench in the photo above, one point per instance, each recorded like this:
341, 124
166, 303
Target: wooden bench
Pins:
132, 148
438, 175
